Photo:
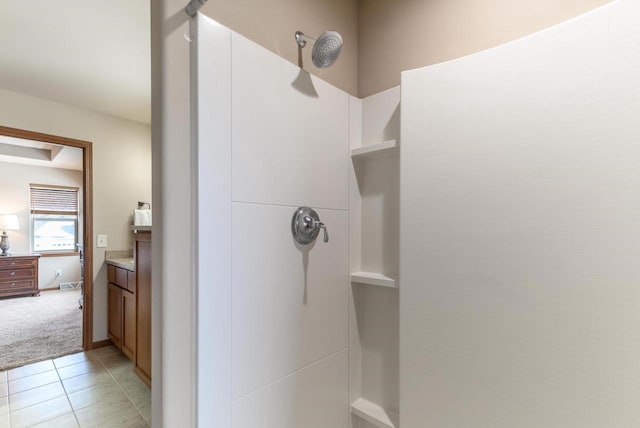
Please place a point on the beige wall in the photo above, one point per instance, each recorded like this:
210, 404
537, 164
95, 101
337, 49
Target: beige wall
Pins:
14, 194
397, 35
121, 171
273, 24
384, 37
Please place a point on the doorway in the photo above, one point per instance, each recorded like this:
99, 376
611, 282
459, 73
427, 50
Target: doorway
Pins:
87, 224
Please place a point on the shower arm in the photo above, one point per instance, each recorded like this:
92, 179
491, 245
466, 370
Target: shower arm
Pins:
192, 8
302, 39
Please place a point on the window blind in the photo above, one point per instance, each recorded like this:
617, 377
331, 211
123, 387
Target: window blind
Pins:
54, 199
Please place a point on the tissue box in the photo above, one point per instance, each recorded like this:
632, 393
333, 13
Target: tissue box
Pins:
142, 217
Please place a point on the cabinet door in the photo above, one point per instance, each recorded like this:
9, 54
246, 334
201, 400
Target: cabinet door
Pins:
114, 314
128, 324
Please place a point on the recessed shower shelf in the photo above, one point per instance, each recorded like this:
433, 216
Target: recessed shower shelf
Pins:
372, 278
374, 414
375, 150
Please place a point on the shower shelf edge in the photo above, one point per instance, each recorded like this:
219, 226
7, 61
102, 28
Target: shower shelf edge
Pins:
372, 278
374, 414
375, 150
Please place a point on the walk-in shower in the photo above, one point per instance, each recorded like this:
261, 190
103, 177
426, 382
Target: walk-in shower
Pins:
326, 48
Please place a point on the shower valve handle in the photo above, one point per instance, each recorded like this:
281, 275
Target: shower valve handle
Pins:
311, 223
306, 226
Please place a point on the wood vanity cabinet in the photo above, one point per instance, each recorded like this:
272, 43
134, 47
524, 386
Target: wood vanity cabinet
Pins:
19, 275
121, 310
142, 256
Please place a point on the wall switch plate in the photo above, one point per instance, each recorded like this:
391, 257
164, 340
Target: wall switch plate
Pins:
102, 241
58, 272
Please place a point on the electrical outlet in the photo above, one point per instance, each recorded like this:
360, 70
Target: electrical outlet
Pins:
102, 241
58, 272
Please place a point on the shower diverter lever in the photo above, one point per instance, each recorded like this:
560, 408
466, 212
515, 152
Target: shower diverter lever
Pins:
306, 225
311, 223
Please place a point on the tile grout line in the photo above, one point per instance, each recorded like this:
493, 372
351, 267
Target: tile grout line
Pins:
97, 359
64, 388
9, 394
123, 391
289, 375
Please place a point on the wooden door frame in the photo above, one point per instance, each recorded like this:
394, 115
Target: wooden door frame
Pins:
87, 209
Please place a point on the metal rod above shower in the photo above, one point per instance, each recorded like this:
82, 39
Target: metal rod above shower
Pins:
194, 5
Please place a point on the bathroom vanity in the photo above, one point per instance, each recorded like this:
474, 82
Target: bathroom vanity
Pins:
121, 305
129, 305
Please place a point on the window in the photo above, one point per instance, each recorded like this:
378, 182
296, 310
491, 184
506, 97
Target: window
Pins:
54, 218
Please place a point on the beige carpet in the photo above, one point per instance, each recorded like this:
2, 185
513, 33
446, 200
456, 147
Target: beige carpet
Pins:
38, 328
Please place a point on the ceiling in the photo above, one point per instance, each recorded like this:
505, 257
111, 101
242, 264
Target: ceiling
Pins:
89, 54
38, 153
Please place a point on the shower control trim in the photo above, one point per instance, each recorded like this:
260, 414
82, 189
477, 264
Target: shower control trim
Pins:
306, 226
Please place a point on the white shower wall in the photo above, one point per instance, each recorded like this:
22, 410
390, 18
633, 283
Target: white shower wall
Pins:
520, 231
273, 318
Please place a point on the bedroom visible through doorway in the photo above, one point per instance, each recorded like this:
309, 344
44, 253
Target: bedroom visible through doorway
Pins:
46, 308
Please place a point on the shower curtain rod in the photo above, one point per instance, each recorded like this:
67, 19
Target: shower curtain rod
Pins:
192, 8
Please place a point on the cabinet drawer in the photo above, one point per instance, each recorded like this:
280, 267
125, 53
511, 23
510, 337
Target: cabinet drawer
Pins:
10, 274
16, 285
121, 277
117, 276
131, 281
16, 263
111, 274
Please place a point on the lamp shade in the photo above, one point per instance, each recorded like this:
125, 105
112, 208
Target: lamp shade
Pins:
9, 222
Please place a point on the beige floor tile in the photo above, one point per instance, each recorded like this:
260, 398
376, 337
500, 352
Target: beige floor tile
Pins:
33, 381
115, 360
97, 394
106, 350
4, 421
4, 389
87, 380
64, 421
122, 372
3, 376
138, 392
80, 369
39, 413
120, 414
145, 411
30, 369
37, 395
69, 360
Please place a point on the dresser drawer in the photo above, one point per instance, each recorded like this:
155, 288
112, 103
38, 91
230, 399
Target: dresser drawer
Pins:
10, 286
15, 274
17, 263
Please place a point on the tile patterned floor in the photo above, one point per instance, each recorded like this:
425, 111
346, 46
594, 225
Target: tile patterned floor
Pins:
95, 389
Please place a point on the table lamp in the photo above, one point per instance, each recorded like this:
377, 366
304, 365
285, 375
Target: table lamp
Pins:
7, 222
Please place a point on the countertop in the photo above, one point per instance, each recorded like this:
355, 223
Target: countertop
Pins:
125, 263
137, 229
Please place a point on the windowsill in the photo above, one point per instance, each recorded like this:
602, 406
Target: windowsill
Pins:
61, 254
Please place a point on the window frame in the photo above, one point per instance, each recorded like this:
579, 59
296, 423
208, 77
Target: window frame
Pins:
62, 215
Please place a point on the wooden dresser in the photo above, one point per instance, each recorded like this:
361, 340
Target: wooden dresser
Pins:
19, 275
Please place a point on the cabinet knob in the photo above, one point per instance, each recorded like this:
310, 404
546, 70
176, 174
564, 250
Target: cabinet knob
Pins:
13, 285
12, 274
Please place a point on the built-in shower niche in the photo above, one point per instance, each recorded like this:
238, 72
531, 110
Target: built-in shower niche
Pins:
374, 235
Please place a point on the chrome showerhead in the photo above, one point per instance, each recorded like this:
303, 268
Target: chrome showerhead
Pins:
326, 48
